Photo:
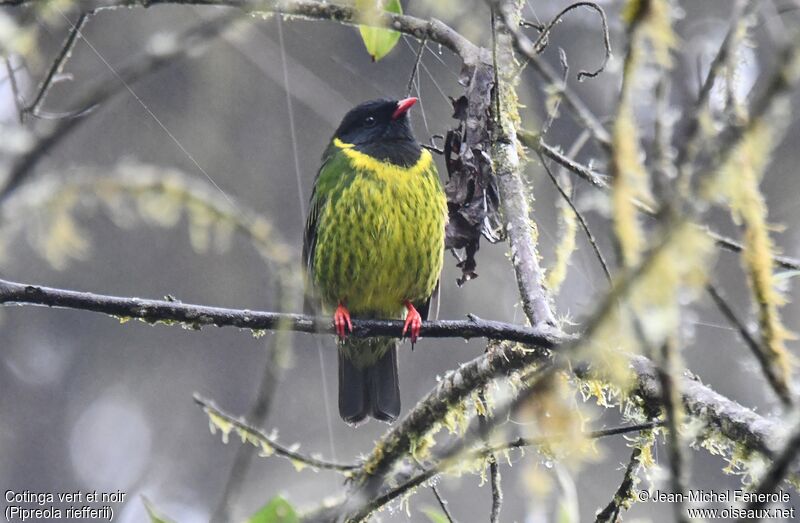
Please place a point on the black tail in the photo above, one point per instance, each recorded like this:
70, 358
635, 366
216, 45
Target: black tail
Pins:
371, 390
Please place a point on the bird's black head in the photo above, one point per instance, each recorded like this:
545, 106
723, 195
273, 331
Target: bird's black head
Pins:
381, 129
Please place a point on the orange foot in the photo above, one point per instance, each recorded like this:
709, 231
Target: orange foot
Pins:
341, 320
413, 321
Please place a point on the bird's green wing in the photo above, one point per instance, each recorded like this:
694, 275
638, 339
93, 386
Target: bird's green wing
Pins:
311, 302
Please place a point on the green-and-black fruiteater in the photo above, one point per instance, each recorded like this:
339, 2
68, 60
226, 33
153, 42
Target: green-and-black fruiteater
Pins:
373, 246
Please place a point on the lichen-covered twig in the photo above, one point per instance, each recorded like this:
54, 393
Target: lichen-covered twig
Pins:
777, 472
624, 492
513, 194
227, 423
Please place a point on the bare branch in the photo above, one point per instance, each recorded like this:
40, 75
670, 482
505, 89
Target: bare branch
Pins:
442, 504
12, 78
541, 41
581, 220
729, 244
727, 311
57, 65
484, 422
198, 316
526, 47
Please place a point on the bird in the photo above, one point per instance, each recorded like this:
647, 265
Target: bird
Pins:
373, 247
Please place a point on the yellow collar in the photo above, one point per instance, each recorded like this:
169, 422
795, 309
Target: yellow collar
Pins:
362, 161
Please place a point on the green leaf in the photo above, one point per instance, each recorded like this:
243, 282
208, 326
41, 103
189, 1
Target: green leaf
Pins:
154, 515
435, 515
378, 41
277, 510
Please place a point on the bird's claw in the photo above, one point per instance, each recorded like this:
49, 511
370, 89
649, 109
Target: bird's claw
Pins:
413, 323
341, 320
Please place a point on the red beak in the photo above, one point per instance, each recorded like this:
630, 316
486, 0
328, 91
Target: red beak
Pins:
403, 106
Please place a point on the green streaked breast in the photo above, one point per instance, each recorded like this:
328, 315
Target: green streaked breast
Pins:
379, 237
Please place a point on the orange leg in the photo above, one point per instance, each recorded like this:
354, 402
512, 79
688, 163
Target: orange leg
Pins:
341, 320
413, 322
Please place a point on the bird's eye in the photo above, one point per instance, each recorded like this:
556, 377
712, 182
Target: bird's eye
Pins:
369, 121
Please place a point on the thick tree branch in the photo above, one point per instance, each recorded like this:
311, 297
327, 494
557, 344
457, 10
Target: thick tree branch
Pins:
513, 194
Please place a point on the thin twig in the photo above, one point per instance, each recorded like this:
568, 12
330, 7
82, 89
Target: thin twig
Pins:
268, 442
442, 504
57, 65
581, 220
553, 112
597, 180
18, 103
484, 421
415, 70
729, 244
436, 30
595, 434
741, 11
541, 41
729, 314
525, 46
276, 349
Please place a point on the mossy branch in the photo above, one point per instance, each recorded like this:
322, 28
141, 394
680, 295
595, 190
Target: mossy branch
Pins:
226, 423
513, 194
